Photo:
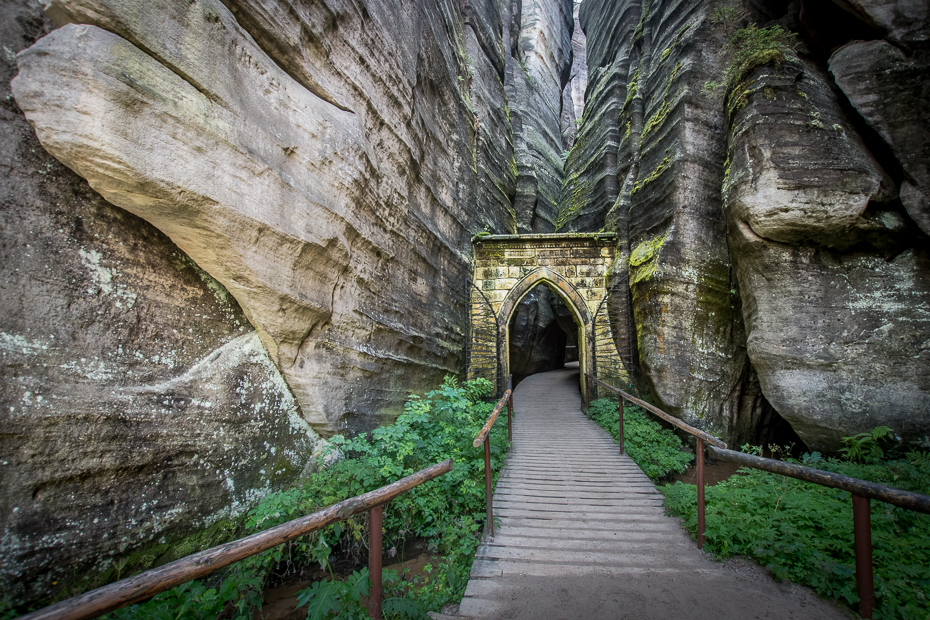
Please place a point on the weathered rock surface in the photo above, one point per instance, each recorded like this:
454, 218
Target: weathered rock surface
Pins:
573, 93
328, 167
140, 414
537, 71
892, 93
834, 279
325, 195
648, 163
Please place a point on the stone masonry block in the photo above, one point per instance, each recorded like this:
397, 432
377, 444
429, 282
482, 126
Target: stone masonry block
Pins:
489, 273
505, 283
590, 271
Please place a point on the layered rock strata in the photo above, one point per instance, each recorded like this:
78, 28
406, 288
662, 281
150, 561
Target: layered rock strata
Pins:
647, 163
833, 274
755, 295
141, 416
324, 165
324, 192
538, 68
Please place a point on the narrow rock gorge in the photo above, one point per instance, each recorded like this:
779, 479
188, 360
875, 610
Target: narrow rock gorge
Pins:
233, 228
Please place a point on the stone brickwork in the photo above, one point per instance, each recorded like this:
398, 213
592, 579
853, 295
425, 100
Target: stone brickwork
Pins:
576, 267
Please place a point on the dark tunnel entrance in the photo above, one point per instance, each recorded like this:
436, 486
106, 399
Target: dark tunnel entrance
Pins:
543, 334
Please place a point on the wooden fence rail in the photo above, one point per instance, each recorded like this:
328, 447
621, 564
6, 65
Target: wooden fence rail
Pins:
862, 491
145, 585
484, 436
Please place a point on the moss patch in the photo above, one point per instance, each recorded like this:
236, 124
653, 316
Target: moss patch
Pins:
644, 260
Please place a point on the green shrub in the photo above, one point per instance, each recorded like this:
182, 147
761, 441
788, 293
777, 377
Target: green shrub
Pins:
449, 511
747, 47
866, 447
803, 532
656, 450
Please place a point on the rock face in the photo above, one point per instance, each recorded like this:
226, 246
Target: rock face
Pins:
573, 93
323, 193
891, 92
141, 416
750, 303
299, 184
647, 163
537, 71
832, 272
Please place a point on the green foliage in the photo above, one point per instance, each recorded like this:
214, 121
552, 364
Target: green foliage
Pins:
656, 450
865, 447
342, 600
449, 511
803, 532
746, 47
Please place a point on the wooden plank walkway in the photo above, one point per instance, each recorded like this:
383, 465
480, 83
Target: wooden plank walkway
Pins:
571, 506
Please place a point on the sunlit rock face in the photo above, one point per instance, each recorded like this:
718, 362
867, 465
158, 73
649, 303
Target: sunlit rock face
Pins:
141, 416
322, 162
299, 185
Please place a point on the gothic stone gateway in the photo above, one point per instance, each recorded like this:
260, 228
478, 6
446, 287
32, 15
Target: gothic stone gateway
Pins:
574, 266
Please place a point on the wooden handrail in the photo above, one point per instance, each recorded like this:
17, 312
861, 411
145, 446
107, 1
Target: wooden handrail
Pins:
145, 585
709, 439
862, 491
484, 437
480, 437
890, 495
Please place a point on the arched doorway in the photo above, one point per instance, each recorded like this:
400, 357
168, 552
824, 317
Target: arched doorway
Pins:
562, 288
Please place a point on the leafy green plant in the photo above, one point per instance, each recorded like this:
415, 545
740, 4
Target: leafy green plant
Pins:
803, 532
449, 511
656, 450
866, 447
746, 47
342, 600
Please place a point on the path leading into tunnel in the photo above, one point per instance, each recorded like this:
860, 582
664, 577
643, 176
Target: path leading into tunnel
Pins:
583, 533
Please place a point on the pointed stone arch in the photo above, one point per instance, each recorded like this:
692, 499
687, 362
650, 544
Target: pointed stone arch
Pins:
561, 286
557, 283
575, 266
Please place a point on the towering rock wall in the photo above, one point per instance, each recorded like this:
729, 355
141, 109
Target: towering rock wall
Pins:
324, 192
826, 206
647, 163
573, 93
538, 68
299, 183
140, 414
764, 237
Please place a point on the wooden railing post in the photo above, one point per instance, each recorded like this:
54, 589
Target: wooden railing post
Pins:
699, 453
587, 393
487, 483
862, 532
510, 411
374, 561
620, 407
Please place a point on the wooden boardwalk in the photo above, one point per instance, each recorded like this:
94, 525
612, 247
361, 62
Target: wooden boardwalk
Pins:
573, 510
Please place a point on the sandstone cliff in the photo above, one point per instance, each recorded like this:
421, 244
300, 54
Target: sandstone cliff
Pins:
298, 184
773, 235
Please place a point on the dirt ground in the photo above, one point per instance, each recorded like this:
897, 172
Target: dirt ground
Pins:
735, 590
